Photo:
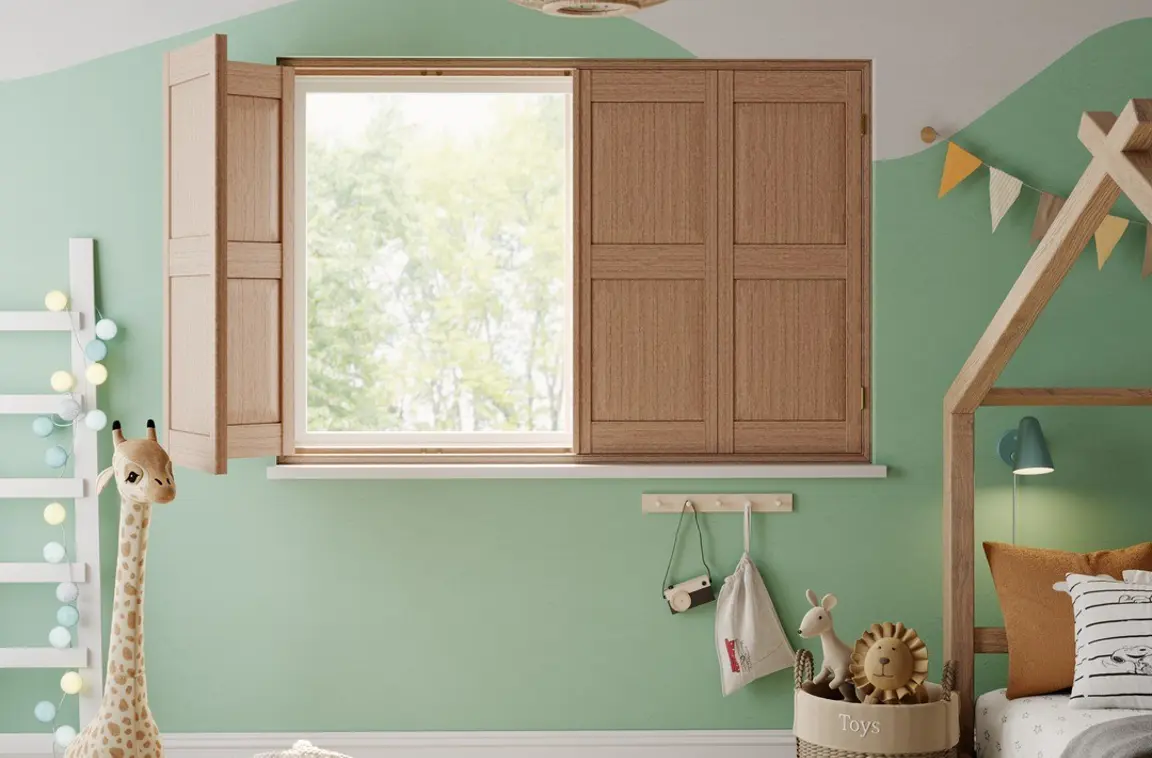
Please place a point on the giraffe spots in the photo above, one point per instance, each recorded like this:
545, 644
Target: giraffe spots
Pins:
131, 589
127, 654
124, 709
113, 729
130, 519
124, 549
131, 619
116, 752
116, 629
139, 734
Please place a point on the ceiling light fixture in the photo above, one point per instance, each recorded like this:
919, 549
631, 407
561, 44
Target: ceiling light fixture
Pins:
588, 8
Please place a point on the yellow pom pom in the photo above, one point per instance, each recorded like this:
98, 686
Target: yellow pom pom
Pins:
54, 514
71, 683
55, 301
62, 381
97, 374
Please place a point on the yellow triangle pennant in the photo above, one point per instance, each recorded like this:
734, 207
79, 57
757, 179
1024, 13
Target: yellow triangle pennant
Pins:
1109, 233
958, 166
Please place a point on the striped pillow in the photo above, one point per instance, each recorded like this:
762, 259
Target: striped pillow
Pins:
1113, 643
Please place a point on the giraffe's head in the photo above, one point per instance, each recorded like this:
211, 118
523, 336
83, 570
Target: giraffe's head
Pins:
142, 468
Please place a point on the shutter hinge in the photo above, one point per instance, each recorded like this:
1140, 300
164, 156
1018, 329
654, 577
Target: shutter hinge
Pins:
864, 124
863, 398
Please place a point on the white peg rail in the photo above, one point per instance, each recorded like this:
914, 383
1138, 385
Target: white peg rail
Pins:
87, 655
724, 503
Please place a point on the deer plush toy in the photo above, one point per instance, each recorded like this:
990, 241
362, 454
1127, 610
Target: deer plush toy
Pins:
124, 727
817, 622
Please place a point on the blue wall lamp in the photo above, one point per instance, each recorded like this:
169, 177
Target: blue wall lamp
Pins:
1025, 449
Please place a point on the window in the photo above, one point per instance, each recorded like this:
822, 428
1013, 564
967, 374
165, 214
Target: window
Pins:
435, 306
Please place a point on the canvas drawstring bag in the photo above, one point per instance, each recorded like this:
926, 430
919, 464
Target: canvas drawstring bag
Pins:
749, 639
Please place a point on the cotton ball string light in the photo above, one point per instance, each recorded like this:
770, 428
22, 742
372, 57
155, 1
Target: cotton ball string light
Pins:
67, 615
69, 409
55, 457
96, 373
54, 552
62, 381
44, 712
96, 420
54, 514
64, 735
55, 301
71, 683
106, 329
59, 637
67, 592
96, 350
42, 426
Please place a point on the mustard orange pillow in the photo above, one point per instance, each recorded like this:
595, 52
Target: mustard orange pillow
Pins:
1037, 619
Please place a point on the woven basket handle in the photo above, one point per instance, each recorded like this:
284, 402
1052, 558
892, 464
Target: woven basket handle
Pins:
803, 668
948, 681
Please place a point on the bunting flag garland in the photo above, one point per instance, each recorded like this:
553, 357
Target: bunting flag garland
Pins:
1109, 233
1050, 205
1003, 190
958, 166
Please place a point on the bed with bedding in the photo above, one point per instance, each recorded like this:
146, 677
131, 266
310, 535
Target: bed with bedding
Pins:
1036, 727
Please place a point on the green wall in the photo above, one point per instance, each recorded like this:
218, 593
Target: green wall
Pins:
410, 605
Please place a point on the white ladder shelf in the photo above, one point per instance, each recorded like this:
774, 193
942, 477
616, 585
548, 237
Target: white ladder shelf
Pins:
87, 655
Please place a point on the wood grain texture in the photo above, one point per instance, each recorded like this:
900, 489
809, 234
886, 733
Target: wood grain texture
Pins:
801, 437
253, 169
649, 86
865, 253
709, 197
1046, 212
254, 440
647, 350
790, 262
959, 562
653, 437
790, 173
195, 237
854, 329
253, 351
288, 260
789, 349
1086, 207
725, 265
254, 80
1042, 396
648, 168
322, 66
1121, 144
790, 86
990, 639
582, 97
255, 260
649, 261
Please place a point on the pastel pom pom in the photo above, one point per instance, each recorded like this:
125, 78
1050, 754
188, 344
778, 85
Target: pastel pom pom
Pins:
96, 350
66, 615
55, 456
69, 409
55, 301
71, 683
42, 426
64, 735
54, 552
62, 381
97, 374
59, 637
67, 592
96, 420
44, 712
106, 329
54, 514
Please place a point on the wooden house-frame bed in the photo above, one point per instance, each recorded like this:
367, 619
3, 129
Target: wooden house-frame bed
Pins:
1121, 148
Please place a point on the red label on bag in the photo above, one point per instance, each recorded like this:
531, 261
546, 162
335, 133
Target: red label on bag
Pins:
733, 661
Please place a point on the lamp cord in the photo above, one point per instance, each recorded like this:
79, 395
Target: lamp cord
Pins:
1015, 479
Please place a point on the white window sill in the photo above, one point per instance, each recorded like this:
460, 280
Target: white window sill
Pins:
579, 471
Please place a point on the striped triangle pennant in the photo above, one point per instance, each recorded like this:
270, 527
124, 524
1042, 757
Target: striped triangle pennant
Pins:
958, 166
1003, 190
1107, 235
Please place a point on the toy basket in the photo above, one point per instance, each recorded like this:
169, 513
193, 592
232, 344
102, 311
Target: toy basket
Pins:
836, 729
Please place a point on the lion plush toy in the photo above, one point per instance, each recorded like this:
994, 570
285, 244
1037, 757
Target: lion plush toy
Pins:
889, 665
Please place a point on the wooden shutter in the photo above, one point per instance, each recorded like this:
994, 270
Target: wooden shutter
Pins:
227, 262
648, 278
792, 257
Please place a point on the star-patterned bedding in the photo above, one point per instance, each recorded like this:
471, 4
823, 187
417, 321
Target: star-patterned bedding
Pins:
1032, 727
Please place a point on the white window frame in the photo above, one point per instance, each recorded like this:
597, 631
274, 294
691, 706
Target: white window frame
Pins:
439, 440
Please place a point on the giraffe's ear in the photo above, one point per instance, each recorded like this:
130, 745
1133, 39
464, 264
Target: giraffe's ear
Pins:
103, 479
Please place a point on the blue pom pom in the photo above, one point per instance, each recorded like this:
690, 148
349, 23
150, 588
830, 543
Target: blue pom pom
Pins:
96, 350
44, 712
42, 426
55, 456
54, 552
67, 616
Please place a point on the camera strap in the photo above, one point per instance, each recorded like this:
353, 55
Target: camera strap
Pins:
676, 537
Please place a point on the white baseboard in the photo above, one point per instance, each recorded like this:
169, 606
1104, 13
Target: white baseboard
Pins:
766, 743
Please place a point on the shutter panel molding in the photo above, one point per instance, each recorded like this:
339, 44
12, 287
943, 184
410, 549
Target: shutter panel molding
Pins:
227, 260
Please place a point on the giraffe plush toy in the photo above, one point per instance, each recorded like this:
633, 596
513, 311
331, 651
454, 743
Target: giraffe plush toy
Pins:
124, 727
